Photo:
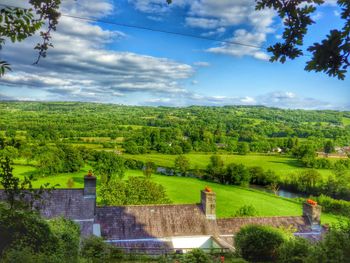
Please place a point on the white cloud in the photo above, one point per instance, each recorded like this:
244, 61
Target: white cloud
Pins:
201, 64
81, 67
242, 36
217, 17
218, 31
274, 99
205, 23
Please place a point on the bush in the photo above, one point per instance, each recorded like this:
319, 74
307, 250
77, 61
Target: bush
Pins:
26, 255
96, 250
295, 250
246, 210
68, 235
21, 228
334, 206
197, 256
335, 247
259, 243
134, 191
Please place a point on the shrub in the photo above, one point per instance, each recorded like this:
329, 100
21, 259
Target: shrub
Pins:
335, 247
197, 256
26, 255
246, 210
96, 250
259, 243
23, 228
68, 235
334, 206
134, 191
295, 250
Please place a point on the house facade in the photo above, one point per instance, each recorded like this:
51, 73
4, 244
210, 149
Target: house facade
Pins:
164, 228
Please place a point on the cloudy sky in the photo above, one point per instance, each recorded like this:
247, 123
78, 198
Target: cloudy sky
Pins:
105, 62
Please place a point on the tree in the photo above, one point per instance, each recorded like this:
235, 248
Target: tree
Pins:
18, 24
215, 168
237, 174
259, 243
246, 210
242, 148
134, 191
330, 56
149, 169
19, 194
9, 152
108, 165
181, 164
328, 147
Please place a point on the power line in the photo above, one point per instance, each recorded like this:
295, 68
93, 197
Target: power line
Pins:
152, 29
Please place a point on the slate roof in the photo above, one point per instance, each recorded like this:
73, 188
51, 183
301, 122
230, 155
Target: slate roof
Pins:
137, 222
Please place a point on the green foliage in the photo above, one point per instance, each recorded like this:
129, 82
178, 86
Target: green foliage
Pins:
149, 169
246, 211
134, 191
27, 255
25, 234
335, 247
67, 234
215, 168
70, 158
18, 193
18, 24
294, 250
96, 250
108, 165
9, 152
329, 56
237, 174
197, 256
242, 148
328, 147
334, 206
23, 228
181, 164
259, 243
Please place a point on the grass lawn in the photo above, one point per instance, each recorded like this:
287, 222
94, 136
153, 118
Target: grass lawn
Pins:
346, 121
280, 164
184, 190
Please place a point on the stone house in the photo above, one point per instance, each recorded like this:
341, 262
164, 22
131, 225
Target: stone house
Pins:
164, 228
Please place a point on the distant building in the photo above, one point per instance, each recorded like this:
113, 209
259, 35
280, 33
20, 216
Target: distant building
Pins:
277, 150
164, 228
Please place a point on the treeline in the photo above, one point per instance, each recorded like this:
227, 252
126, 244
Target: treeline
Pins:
173, 130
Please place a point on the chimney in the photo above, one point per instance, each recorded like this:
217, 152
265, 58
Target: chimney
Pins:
90, 188
208, 203
312, 211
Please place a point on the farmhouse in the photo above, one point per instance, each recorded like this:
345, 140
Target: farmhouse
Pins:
164, 228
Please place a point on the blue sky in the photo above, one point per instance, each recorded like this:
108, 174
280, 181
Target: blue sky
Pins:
101, 62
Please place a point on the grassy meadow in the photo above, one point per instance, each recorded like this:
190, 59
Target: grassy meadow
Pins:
184, 190
282, 165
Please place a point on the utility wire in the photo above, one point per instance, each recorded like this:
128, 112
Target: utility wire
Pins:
151, 29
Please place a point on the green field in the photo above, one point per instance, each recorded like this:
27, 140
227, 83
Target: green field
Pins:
346, 121
184, 190
280, 164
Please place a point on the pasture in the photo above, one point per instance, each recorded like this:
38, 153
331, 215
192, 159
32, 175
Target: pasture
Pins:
280, 164
184, 190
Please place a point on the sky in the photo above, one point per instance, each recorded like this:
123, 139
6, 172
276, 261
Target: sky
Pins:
96, 59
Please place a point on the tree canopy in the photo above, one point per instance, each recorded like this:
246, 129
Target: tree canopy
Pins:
331, 55
17, 24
